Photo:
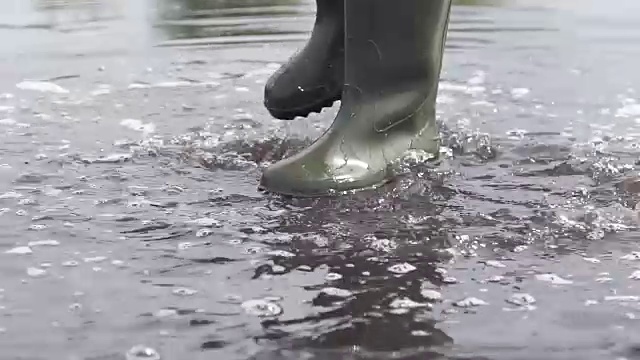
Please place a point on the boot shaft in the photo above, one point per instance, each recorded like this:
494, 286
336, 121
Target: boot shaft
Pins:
393, 43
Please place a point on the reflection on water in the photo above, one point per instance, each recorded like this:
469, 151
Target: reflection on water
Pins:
131, 216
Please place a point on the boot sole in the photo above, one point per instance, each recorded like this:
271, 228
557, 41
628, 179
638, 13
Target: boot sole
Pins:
305, 111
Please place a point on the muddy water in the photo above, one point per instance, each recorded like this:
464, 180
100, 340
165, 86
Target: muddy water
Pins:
133, 137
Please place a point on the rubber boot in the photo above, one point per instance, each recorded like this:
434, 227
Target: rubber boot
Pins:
313, 77
393, 59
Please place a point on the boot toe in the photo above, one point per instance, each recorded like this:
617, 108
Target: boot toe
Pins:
302, 178
288, 94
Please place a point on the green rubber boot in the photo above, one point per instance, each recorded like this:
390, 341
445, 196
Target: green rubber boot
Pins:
313, 77
393, 59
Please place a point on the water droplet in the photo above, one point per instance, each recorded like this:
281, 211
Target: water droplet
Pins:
450, 280
420, 333
206, 222
634, 255
261, 307
44, 243
333, 277
495, 279
278, 269
42, 86
622, 298
332, 291
470, 302
554, 279
521, 299
184, 292
141, 352
403, 268
406, 303
204, 232
118, 263
20, 250
432, 295
165, 313
281, 253
36, 272
495, 264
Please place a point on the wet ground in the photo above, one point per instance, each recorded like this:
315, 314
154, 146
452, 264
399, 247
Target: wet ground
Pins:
133, 138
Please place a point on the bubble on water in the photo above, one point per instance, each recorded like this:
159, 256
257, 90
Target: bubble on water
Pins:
204, 232
281, 253
184, 292
261, 308
70, 263
206, 222
141, 352
521, 299
75, 307
635, 275
553, 279
495, 264
37, 227
44, 243
592, 260
634, 255
470, 302
95, 259
591, 302
333, 277
42, 86
403, 268
20, 250
185, 245
602, 280
431, 295
336, 292
36, 272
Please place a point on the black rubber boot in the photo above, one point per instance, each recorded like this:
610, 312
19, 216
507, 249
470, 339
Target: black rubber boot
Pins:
393, 61
313, 77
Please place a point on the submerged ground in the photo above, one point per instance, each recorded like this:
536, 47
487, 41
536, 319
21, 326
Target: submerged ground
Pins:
133, 137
